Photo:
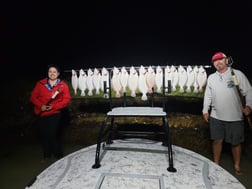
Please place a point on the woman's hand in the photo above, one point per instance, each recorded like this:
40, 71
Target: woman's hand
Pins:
46, 107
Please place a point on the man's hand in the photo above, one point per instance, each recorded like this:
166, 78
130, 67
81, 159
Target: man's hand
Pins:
206, 116
247, 110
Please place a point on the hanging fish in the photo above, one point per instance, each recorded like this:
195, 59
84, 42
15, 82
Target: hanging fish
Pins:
90, 85
150, 79
74, 81
175, 77
202, 78
168, 77
182, 78
159, 78
133, 81
82, 82
105, 82
124, 78
190, 78
97, 81
115, 81
142, 84
195, 83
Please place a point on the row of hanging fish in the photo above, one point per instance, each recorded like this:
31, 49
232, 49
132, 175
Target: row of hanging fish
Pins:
142, 79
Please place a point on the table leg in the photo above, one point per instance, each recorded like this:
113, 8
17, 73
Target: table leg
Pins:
169, 144
98, 147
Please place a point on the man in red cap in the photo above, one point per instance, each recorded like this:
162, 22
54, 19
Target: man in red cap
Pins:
221, 100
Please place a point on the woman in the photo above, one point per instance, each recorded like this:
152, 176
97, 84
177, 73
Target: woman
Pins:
49, 97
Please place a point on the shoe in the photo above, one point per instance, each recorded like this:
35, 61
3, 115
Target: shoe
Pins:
238, 171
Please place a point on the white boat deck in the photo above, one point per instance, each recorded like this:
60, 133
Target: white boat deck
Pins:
134, 164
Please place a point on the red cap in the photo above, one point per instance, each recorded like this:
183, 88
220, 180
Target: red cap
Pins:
218, 55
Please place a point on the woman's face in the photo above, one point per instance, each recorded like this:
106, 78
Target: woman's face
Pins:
53, 73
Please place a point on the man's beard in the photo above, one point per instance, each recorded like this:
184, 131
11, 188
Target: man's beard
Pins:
221, 68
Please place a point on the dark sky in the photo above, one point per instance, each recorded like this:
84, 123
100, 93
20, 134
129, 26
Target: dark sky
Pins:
115, 33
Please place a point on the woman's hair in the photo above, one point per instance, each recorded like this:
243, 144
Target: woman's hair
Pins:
54, 66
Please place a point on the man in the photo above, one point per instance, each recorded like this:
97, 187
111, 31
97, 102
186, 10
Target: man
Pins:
222, 100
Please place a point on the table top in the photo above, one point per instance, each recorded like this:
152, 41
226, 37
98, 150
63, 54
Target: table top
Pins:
137, 111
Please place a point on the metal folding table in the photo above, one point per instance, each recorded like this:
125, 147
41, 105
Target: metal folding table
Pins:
154, 112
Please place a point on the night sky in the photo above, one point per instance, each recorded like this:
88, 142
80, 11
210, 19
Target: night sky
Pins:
122, 33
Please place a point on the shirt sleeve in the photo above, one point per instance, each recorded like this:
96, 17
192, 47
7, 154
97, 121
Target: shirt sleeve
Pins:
34, 96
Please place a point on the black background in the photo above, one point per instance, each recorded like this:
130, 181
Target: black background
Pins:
122, 33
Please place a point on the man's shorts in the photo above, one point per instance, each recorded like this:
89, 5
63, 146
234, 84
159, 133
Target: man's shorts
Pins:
230, 131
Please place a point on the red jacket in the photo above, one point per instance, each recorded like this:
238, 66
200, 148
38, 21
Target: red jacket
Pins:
41, 95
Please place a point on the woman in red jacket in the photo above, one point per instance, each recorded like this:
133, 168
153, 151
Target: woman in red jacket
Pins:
49, 97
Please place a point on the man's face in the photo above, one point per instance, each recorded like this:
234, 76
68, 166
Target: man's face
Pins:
221, 65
